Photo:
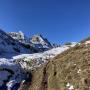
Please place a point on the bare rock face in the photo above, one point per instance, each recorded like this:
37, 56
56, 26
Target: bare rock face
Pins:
41, 41
35, 39
38, 42
68, 71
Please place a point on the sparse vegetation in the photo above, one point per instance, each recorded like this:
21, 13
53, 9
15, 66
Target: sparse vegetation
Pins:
72, 66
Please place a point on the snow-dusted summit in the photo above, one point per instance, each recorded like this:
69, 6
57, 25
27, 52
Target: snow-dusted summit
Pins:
39, 42
19, 36
9, 46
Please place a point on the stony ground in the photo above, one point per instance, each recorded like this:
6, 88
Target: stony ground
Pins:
68, 71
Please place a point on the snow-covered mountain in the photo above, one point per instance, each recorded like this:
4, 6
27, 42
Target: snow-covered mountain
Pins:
19, 36
39, 42
9, 46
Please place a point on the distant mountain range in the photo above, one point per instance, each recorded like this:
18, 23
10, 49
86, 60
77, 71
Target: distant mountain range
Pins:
10, 45
38, 42
17, 43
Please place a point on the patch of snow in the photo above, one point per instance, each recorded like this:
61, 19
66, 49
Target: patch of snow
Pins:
87, 42
10, 84
75, 64
68, 85
79, 71
71, 87
37, 59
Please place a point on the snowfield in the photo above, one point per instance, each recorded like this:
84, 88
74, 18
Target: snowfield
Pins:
31, 61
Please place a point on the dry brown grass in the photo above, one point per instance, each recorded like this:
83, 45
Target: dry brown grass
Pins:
63, 69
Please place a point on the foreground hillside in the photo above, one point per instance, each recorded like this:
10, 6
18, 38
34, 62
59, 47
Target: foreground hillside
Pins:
68, 71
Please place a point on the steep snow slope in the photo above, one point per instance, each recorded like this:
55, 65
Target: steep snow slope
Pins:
31, 61
20, 36
39, 42
36, 41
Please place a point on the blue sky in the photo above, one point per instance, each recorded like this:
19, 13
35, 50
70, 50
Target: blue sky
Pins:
59, 20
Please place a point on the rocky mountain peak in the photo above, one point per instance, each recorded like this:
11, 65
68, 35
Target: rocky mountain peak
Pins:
38, 39
20, 36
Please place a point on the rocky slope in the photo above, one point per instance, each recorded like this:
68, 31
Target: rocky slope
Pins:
39, 42
67, 71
